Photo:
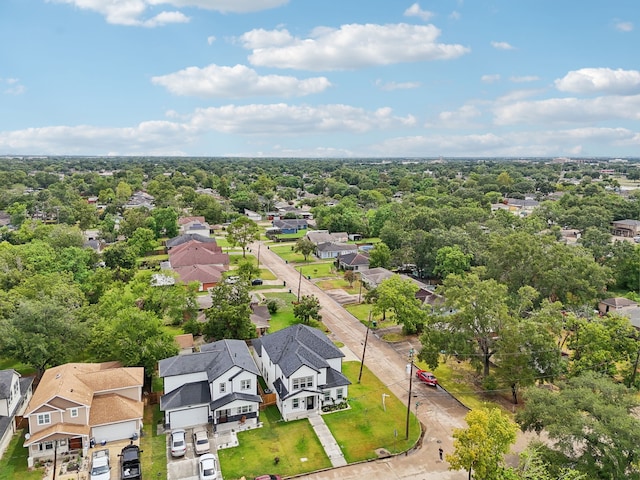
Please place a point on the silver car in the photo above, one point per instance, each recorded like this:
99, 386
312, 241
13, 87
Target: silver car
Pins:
178, 443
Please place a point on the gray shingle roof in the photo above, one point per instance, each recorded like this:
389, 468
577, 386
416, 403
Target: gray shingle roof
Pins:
5, 382
214, 359
247, 397
179, 240
336, 247
296, 346
196, 393
335, 379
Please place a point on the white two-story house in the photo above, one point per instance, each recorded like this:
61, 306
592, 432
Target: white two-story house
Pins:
15, 392
303, 368
217, 385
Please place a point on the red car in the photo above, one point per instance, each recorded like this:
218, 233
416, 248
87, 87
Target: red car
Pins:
427, 377
269, 477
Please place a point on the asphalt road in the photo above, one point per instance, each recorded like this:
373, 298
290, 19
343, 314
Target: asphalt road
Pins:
438, 411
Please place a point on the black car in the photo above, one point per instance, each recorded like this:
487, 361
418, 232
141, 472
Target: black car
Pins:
256, 281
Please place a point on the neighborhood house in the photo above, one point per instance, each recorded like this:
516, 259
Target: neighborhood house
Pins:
77, 403
303, 367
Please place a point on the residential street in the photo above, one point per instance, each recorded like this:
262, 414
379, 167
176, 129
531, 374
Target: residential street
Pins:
438, 411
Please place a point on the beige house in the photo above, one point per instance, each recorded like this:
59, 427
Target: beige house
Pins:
77, 403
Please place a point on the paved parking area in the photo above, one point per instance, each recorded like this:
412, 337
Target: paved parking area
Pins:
186, 468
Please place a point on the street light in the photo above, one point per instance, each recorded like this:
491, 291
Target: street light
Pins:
411, 352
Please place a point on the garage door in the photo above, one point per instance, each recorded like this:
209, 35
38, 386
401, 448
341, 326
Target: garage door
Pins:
189, 417
116, 431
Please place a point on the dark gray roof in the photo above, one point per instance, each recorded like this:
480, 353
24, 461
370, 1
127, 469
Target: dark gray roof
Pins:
296, 346
280, 389
354, 259
290, 223
5, 382
247, 397
196, 393
214, 359
179, 240
336, 247
335, 379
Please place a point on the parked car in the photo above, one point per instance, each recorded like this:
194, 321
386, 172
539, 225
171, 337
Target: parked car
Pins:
100, 466
208, 467
427, 377
178, 443
269, 477
130, 462
200, 441
256, 281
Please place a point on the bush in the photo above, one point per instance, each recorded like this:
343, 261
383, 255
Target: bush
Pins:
273, 305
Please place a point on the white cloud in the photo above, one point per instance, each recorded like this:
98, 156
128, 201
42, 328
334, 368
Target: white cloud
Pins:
460, 118
270, 119
600, 80
211, 39
563, 110
502, 46
12, 86
415, 11
130, 12
455, 15
524, 79
349, 47
390, 86
490, 78
235, 82
624, 26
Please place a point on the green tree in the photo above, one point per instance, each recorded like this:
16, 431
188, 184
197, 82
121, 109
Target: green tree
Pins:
134, 218
230, 314
209, 208
241, 232
121, 259
398, 296
350, 276
307, 309
591, 424
451, 260
380, 256
304, 246
133, 337
480, 448
474, 315
247, 269
142, 241
166, 222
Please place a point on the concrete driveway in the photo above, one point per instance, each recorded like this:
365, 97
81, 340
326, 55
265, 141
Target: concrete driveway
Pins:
186, 468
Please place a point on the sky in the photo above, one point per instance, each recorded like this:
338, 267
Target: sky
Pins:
305, 78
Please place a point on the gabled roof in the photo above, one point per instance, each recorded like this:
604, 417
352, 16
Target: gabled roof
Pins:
186, 220
196, 393
354, 259
325, 237
213, 246
376, 275
336, 247
297, 346
58, 431
180, 239
290, 223
214, 358
335, 379
201, 273
222, 401
185, 340
619, 302
6, 377
77, 382
197, 255
112, 408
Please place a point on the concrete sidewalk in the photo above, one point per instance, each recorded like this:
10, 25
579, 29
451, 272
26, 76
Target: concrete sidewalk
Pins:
329, 443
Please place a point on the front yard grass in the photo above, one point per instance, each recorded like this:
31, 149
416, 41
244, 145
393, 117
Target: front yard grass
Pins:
14, 461
367, 426
154, 446
317, 270
284, 316
286, 253
22, 368
294, 443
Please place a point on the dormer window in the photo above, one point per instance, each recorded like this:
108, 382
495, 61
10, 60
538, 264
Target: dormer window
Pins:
44, 418
73, 412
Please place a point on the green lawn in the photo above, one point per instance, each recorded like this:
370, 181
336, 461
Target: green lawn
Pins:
341, 283
361, 312
284, 317
287, 254
13, 464
294, 443
21, 368
317, 270
367, 426
154, 446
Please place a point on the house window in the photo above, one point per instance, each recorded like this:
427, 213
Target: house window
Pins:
244, 409
223, 387
296, 403
327, 396
46, 446
73, 412
302, 382
245, 384
339, 394
44, 418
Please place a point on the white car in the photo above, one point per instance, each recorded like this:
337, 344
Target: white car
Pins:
200, 441
208, 467
178, 443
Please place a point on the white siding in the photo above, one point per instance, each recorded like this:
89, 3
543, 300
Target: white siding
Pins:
171, 383
189, 417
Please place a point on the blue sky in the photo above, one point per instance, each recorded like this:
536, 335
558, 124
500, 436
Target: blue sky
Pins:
303, 78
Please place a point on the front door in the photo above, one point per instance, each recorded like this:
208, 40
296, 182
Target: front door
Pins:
310, 403
75, 443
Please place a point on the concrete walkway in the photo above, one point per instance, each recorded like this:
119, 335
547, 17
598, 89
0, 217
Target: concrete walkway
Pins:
329, 443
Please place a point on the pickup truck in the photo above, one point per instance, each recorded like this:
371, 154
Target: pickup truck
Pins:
100, 466
130, 463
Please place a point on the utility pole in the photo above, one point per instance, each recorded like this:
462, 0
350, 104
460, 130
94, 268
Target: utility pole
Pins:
411, 352
364, 350
299, 283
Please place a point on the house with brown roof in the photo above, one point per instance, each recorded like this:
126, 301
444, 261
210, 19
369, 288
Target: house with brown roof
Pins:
206, 275
185, 343
79, 402
621, 306
211, 246
355, 261
196, 255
